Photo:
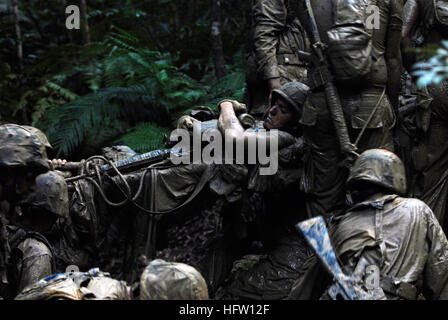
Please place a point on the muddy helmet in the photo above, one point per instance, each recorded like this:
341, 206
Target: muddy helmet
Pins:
51, 194
380, 167
55, 287
40, 135
19, 147
163, 280
106, 288
294, 93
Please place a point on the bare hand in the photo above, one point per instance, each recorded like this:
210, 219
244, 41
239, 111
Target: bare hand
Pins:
57, 163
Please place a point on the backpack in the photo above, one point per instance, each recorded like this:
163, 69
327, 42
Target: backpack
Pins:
350, 45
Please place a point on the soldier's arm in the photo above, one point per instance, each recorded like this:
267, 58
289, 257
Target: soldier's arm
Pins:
393, 52
435, 279
36, 263
270, 19
410, 19
230, 127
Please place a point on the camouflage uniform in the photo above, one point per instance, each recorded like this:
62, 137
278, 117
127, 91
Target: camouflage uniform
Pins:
276, 35
399, 235
325, 177
262, 230
26, 255
31, 259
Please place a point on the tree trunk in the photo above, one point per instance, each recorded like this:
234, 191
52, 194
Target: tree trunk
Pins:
84, 23
217, 50
15, 8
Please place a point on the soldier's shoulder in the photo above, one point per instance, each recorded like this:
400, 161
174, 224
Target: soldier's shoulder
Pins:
410, 202
34, 247
413, 205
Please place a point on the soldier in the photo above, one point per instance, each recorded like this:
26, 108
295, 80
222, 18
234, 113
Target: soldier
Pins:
273, 61
163, 280
166, 187
424, 27
399, 237
22, 157
26, 256
34, 257
364, 92
91, 285
270, 276
43, 138
47, 211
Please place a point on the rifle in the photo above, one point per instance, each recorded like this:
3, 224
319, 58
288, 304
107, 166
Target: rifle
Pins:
334, 102
138, 161
347, 287
129, 164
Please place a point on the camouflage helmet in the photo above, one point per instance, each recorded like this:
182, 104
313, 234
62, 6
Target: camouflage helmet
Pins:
54, 287
294, 93
106, 288
40, 135
51, 194
163, 280
380, 167
20, 148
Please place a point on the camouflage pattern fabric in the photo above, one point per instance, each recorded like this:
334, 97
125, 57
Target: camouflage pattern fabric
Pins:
163, 280
31, 259
276, 35
20, 148
40, 135
91, 285
408, 225
324, 175
380, 167
51, 194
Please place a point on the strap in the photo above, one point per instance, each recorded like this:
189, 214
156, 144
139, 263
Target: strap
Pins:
379, 233
20, 235
369, 119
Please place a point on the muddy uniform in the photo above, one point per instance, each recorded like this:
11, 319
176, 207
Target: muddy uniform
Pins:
31, 259
399, 237
277, 205
276, 35
413, 245
324, 176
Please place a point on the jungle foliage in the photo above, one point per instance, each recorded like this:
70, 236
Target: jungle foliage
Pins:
147, 63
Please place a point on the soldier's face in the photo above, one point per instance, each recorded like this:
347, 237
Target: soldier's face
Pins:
279, 115
38, 219
17, 184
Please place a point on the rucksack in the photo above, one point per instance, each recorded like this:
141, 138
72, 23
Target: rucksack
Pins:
350, 45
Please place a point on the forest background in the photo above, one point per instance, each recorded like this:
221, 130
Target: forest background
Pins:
131, 70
